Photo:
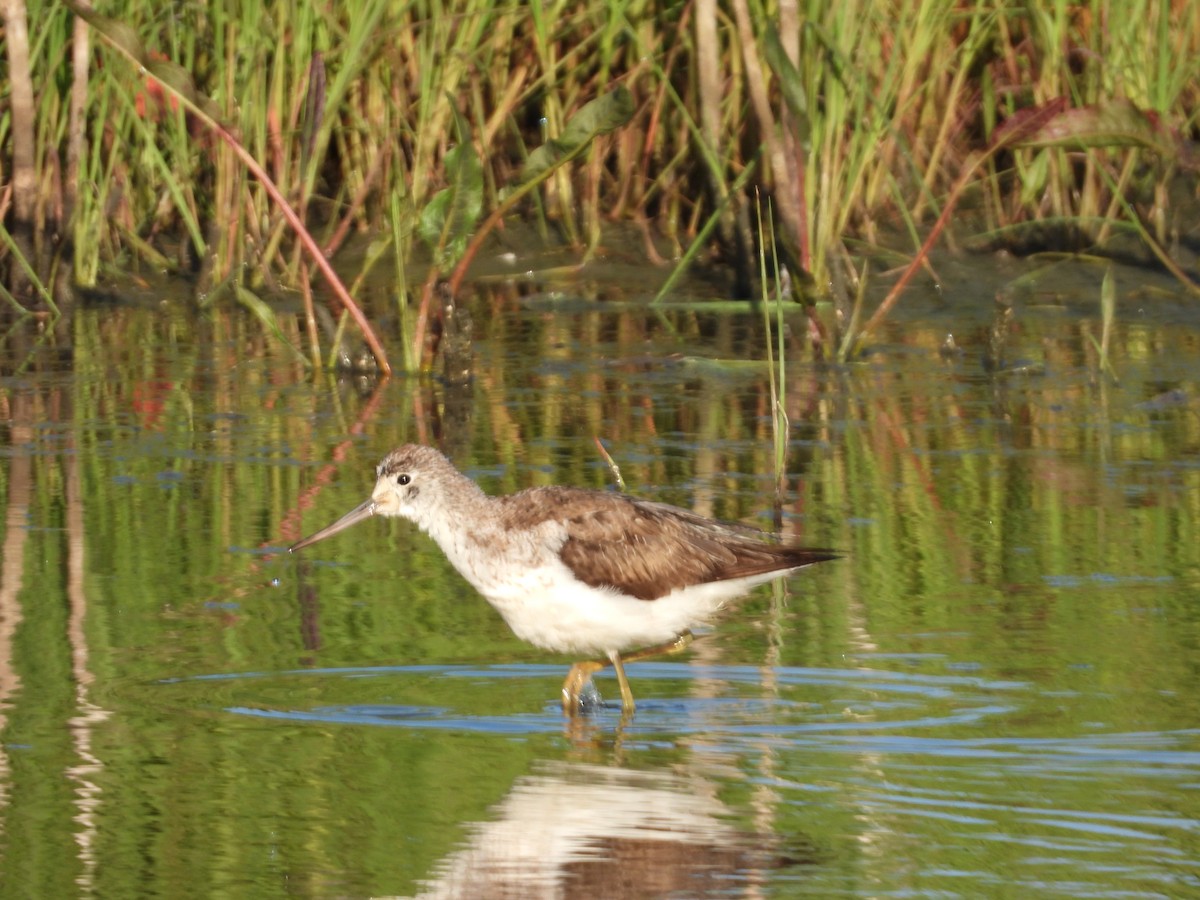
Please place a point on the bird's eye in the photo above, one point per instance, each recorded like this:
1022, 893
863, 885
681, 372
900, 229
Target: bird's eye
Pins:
402, 480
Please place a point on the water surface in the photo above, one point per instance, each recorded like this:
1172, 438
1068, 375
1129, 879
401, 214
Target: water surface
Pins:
994, 694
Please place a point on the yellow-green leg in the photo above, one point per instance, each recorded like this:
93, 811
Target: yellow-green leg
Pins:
581, 673
627, 704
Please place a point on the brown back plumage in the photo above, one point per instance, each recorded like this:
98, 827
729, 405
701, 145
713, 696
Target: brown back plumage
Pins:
646, 549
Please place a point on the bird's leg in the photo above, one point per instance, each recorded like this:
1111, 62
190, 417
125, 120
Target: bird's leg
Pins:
582, 672
627, 705
673, 646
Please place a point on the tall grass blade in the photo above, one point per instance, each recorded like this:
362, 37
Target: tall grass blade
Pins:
791, 84
776, 370
26, 268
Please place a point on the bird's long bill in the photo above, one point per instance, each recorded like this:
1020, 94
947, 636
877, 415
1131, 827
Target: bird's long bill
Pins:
364, 510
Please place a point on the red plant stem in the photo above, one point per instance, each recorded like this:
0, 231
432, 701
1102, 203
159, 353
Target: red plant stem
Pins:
898, 288
1013, 133
310, 244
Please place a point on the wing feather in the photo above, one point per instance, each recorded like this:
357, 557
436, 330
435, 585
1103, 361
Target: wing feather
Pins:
647, 550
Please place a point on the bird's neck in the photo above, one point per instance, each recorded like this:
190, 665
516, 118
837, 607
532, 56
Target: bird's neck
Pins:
461, 521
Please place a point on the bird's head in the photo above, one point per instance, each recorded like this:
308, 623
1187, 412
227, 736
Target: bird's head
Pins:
407, 483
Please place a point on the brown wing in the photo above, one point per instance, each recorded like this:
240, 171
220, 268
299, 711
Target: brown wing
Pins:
648, 549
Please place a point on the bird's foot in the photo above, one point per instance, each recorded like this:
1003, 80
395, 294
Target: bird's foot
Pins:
576, 685
589, 698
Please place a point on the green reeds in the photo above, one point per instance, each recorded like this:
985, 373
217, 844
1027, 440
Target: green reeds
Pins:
857, 118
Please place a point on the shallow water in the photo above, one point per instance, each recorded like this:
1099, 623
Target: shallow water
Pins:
997, 692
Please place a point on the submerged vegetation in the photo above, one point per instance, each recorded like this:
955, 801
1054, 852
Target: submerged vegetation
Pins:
420, 125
